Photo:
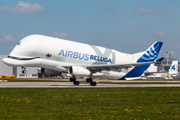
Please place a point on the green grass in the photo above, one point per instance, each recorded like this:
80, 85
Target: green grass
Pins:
88, 103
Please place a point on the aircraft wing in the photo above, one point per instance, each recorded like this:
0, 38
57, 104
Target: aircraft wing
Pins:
98, 68
117, 67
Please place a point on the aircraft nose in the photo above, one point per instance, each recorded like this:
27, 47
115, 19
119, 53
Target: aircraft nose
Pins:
13, 62
7, 61
4, 60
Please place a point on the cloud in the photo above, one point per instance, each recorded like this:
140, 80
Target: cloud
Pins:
60, 35
22, 7
8, 37
159, 34
103, 4
178, 46
149, 11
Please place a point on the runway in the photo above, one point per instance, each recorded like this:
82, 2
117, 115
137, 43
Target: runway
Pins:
71, 85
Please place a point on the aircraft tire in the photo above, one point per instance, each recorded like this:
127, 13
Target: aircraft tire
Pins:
72, 79
76, 82
93, 83
88, 80
24, 71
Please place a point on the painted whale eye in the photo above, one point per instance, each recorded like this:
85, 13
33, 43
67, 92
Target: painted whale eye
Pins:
48, 55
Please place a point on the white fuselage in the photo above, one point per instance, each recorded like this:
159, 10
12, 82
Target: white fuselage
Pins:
66, 51
57, 54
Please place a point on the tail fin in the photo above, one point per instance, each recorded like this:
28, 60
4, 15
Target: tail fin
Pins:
174, 68
150, 54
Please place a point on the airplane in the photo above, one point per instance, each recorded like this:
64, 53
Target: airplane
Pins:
173, 70
80, 59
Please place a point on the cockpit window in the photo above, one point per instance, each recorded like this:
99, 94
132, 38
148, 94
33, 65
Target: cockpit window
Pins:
18, 58
48, 55
19, 43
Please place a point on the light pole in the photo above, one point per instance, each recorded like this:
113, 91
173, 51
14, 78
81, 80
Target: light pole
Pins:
168, 54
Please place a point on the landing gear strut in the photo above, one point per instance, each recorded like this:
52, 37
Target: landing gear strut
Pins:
24, 70
73, 79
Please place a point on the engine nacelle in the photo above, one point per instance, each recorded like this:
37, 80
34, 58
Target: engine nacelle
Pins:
79, 71
48, 71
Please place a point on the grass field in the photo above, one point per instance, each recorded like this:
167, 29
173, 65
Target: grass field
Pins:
90, 103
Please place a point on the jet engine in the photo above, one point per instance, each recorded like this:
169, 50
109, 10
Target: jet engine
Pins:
49, 71
79, 71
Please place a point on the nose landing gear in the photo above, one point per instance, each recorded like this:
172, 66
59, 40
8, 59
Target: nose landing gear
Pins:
24, 70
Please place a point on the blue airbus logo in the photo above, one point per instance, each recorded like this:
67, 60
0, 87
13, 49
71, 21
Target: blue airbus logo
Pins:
173, 67
83, 56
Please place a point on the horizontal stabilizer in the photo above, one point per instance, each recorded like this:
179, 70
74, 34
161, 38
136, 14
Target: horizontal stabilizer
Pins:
160, 59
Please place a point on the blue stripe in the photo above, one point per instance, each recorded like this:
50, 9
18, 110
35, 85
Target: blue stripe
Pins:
149, 56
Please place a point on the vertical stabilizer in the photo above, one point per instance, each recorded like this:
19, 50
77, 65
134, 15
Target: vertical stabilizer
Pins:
173, 70
150, 54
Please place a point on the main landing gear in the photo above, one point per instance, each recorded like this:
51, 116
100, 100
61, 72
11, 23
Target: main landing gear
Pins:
89, 80
73, 79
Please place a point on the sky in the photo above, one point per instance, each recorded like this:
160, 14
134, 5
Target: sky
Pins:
125, 25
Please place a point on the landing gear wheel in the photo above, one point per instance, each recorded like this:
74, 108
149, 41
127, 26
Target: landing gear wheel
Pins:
93, 83
88, 80
72, 79
24, 71
76, 82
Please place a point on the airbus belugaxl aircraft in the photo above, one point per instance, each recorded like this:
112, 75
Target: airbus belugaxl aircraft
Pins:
79, 59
